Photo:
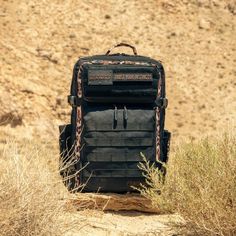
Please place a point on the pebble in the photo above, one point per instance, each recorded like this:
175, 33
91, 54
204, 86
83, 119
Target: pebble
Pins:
204, 24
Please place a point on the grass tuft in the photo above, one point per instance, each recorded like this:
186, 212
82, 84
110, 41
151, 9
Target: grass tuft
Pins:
200, 185
32, 197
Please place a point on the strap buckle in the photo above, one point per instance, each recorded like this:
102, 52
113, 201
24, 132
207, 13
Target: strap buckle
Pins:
74, 100
161, 103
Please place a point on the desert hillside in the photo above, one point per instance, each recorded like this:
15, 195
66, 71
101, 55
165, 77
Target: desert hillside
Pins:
41, 40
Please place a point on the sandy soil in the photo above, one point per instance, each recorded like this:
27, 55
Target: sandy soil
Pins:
41, 40
125, 224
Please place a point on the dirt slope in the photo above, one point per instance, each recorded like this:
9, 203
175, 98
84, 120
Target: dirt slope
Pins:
41, 40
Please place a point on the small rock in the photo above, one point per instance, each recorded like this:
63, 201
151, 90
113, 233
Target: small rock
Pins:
59, 101
72, 36
55, 57
112, 202
232, 8
13, 118
107, 17
204, 24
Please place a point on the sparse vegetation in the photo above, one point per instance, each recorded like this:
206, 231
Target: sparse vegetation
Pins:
31, 194
200, 185
40, 42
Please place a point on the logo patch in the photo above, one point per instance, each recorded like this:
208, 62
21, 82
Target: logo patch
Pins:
100, 77
132, 77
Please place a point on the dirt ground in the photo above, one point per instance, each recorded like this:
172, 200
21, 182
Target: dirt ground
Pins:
41, 40
125, 224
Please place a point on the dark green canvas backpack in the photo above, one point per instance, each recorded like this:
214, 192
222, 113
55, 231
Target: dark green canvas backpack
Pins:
118, 111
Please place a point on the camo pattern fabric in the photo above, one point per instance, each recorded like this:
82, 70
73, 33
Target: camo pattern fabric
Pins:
79, 115
158, 111
105, 62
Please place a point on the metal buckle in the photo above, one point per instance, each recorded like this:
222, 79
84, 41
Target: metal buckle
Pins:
161, 102
72, 100
164, 103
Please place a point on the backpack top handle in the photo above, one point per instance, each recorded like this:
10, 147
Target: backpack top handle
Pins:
122, 45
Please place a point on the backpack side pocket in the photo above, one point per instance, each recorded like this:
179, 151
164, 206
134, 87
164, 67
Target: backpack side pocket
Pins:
67, 162
65, 145
166, 145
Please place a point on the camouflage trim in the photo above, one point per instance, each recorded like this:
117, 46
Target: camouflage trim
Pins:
79, 127
158, 111
106, 62
79, 115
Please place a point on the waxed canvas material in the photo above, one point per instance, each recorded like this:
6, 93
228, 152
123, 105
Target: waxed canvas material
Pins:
116, 121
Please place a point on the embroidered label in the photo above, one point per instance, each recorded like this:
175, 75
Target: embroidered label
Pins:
132, 77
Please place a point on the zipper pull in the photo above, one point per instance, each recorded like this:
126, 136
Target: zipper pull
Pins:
115, 117
115, 113
125, 114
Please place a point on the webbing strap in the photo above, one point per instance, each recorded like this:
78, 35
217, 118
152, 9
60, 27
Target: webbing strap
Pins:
113, 157
113, 173
77, 101
120, 142
95, 126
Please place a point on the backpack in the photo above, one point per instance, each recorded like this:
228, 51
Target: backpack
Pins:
118, 112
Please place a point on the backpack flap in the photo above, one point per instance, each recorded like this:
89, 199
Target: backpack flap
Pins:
119, 83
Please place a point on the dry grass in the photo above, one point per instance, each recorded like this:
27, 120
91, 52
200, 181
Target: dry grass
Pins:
32, 197
200, 185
